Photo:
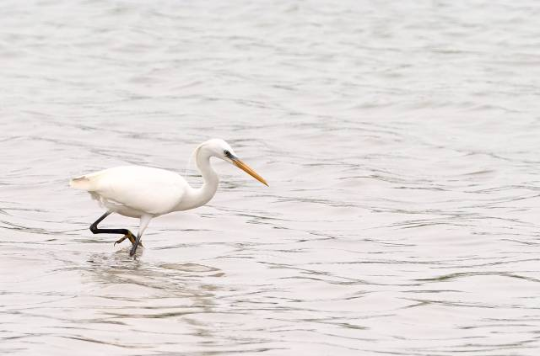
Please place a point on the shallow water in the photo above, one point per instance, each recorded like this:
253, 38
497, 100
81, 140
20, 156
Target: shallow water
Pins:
400, 141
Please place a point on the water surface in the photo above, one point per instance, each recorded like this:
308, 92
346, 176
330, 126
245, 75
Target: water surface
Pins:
400, 141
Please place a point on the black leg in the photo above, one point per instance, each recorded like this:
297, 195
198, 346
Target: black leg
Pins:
127, 234
134, 246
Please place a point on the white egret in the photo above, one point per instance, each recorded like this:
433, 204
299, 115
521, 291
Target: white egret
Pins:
145, 193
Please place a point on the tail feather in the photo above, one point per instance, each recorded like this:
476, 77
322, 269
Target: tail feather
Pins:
80, 183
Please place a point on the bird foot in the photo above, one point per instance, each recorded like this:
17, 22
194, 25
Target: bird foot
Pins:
129, 236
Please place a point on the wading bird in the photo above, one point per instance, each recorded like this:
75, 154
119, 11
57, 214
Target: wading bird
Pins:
145, 193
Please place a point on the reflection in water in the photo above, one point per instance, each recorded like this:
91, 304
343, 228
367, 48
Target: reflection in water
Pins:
169, 291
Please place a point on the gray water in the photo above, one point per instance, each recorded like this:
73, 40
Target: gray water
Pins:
400, 140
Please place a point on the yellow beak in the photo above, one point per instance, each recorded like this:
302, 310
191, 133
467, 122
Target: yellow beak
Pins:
249, 170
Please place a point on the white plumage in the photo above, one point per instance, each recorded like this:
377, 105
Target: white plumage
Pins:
144, 192
135, 190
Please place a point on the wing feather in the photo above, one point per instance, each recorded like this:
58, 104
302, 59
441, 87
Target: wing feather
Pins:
150, 190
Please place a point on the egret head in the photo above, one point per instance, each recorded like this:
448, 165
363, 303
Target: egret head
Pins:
219, 148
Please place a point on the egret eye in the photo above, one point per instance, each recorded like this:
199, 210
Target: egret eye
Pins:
227, 153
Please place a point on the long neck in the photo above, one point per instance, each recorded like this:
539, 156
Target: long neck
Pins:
202, 195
